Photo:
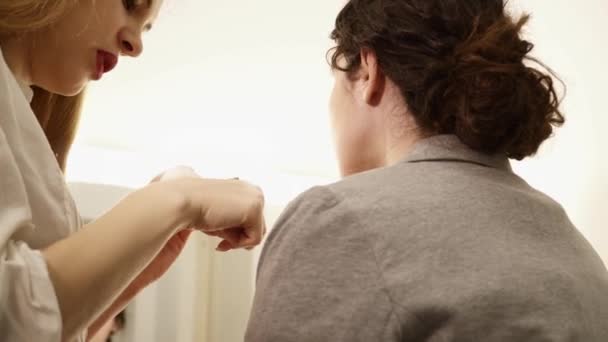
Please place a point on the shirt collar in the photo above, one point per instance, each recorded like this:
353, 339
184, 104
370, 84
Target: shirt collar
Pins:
450, 148
28, 92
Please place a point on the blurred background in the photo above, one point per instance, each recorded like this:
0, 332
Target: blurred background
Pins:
240, 88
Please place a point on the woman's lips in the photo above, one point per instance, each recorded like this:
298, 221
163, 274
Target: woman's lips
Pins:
106, 61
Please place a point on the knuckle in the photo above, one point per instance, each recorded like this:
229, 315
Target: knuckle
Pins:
257, 238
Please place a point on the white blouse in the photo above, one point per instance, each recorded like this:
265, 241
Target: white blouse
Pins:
36, 210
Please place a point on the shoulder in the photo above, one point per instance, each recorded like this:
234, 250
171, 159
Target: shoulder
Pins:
340, 202
310, 211
313, 223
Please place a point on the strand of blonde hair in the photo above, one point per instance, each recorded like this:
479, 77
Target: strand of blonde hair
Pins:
58, 115
18, 16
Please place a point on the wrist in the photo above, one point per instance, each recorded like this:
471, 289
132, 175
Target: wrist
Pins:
169, 208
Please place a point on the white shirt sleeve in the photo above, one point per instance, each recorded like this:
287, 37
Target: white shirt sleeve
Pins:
29, 310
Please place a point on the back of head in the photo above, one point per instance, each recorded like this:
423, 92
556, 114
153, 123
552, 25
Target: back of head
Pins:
58, 115
459, 65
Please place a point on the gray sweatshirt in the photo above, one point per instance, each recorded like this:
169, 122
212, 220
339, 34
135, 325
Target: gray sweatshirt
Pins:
447, 245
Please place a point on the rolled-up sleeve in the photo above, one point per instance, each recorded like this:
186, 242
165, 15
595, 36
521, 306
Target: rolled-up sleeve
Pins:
29, 310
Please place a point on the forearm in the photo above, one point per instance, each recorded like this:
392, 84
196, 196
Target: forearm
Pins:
91, 268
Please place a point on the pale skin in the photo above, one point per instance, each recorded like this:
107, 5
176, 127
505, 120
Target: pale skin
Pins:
99, 269
372, 125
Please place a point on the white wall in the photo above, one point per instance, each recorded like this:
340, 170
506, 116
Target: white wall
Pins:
573, 166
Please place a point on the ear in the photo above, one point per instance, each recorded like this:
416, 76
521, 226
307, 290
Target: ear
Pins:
372, 77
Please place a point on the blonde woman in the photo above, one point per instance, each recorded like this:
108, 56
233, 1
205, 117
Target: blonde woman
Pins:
59, 282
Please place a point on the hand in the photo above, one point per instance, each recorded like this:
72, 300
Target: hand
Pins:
233, 211
231, 237
161, 263
229, 209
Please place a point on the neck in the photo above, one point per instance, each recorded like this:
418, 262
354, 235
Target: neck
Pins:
399, 149
16, 56
401, 134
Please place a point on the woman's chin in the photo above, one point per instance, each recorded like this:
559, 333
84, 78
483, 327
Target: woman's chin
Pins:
69, 89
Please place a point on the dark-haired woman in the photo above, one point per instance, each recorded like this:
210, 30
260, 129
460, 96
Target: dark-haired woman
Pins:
430, 236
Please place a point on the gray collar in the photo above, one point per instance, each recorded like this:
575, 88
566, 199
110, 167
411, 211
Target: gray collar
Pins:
450, 148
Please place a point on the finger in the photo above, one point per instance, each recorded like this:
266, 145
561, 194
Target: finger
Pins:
232, 235
257, 234
179, 240
254, 230
216, 233
156, 179
249, 238
179, 172
224, 246
185, 234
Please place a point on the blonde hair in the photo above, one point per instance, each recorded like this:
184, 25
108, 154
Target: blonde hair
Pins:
58, 115
18, 16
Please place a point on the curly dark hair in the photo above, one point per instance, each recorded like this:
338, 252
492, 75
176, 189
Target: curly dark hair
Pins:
462, 68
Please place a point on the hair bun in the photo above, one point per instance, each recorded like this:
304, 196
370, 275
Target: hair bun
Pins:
490, 98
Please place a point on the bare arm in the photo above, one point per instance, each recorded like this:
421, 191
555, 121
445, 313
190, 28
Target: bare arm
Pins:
150, 274
90, 269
